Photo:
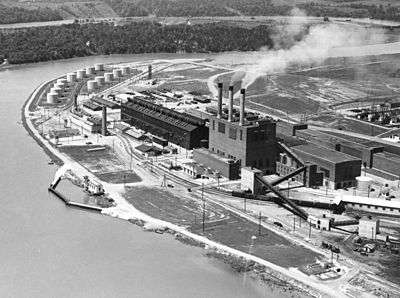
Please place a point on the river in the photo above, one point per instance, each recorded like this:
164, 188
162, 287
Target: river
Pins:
48, 250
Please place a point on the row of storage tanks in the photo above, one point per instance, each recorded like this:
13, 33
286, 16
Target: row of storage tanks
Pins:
61, 85
107, 78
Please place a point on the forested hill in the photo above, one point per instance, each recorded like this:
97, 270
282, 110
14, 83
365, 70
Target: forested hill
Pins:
389, 10
45, 10
9, 15
67, 41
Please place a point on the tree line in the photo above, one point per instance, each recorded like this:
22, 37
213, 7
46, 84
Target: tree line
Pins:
188, 8
195, 8
75, 40
10, 15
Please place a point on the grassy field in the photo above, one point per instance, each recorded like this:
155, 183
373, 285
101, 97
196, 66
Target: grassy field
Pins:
190, 86
221, 225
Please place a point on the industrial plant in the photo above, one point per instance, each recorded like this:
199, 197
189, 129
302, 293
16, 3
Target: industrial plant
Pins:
121, 120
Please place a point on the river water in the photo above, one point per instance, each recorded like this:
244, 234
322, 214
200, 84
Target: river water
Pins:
48, 250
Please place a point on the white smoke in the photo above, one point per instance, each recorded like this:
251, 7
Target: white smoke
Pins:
313, 48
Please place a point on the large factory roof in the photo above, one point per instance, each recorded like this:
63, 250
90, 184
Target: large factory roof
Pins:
326, 154
107, 103
92, 106
165, 118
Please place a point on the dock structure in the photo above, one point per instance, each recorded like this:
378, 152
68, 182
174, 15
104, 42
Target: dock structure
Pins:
71, 203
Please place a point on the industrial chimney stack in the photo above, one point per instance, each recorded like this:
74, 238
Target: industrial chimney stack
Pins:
150, 72
219, 113
104, 121
242, 103
230, 108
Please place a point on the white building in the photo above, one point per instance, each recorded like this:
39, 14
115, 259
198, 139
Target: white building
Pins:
368, 228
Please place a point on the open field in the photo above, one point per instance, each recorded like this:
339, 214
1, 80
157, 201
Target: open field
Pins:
220, 225
105, 164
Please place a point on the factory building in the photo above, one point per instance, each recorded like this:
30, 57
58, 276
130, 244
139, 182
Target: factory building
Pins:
238, 140
86, 123
339, 170
380, 159
178, 128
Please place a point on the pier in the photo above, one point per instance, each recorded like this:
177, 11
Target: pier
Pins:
52, 189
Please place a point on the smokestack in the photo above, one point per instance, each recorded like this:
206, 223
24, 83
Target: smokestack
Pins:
230, 108
104, 122
219, 113
149, 72
242, 100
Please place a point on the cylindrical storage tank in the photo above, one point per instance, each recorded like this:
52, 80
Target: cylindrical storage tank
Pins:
56, 90
71, 77
60, 85
80, 74
51, 97
99, 67
91, 85
363, 183
90, 70
62, 81
125, 70
117, 73
108, 77
100, 81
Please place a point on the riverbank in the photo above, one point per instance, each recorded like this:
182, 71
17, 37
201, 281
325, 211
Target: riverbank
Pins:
126, 211
26, 107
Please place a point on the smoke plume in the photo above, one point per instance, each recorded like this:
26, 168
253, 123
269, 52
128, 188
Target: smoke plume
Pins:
316, 46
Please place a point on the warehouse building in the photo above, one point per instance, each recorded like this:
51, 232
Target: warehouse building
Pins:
339, 170
178, 128
86, 123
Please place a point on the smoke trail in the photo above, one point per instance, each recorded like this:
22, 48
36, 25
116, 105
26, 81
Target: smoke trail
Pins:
313, 48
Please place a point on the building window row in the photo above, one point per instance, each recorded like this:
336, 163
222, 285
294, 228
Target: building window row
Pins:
370, 206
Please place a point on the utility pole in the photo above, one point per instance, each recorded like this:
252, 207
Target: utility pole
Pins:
294, 223
130, 164
204, 204
309, 231
259, 224
244, 204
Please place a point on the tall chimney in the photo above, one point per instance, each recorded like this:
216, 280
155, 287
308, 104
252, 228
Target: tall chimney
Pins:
219, 113
150, 72
230, 108
242, 100
104, 121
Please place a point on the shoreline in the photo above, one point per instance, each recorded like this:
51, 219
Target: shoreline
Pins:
46, 150
127, 211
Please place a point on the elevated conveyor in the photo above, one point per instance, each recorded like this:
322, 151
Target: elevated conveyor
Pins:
288, 176
293, 207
